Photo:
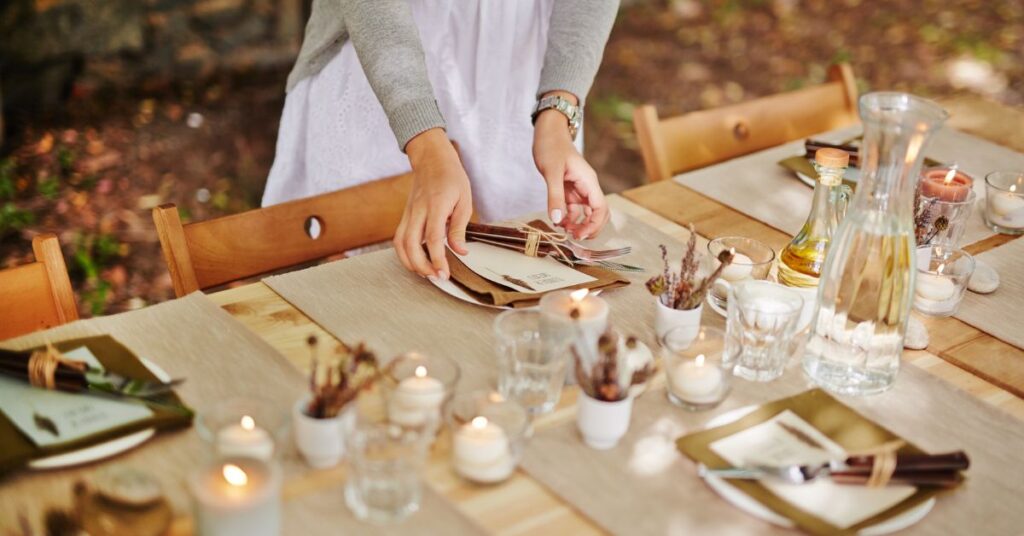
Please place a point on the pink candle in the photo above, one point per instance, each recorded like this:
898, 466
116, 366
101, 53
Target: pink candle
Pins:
947, 184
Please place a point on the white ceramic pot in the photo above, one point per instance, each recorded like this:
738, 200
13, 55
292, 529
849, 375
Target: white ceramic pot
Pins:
321, 441
666, 319
602, 424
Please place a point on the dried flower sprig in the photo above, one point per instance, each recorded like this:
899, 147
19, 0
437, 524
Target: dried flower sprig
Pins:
339, 384
683, 290
602, 381
926, 225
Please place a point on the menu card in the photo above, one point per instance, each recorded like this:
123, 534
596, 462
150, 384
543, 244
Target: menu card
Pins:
529, 275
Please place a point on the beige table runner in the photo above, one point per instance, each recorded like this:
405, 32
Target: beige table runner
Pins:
1000, 314
758, 187
193, 338
645, 486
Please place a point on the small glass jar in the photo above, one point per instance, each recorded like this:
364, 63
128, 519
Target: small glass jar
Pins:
417, 387
697, 368
384, 484
246, 427
489, 435
1004, 203
531, 367
942, 277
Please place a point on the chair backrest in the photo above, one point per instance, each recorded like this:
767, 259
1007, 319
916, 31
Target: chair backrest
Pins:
37, 295
698, 139
210, 253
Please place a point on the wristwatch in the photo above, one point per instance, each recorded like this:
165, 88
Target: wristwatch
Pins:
572, 112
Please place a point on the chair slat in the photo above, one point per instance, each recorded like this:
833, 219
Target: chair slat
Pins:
38, 295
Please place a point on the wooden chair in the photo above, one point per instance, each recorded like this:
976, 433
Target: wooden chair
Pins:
38, 295
211, 253
701, 138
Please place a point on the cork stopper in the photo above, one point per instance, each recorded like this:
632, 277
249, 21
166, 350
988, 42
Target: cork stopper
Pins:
834, 158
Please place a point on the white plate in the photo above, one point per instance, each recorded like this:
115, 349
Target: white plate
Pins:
106, 449
452, 289
749, 505
852, 175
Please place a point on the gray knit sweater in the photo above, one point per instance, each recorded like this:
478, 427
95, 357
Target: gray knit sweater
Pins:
388, 46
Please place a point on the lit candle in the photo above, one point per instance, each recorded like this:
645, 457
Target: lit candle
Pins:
696, 381
481, 451
237, 497
1006, 209
935, 293
570, 315
739, 269
417, 399
245, 439
946, 184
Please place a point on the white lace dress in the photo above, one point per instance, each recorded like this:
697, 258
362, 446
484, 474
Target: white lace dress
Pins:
483, 58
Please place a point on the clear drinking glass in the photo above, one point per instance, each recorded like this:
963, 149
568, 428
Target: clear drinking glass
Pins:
383, 485
946, 220
530, 370
697, 368
942, 277
1004, 203
752, 260
865, 291
761, 326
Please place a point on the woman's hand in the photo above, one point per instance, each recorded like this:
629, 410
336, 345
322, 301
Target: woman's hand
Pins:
439, 207
575, 200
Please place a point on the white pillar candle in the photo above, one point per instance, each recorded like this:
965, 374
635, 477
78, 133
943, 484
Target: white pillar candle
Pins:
246, 440
481, 451
416, 399
570, 315
237, 497
696, 381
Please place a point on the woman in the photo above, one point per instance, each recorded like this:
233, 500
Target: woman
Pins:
506, 75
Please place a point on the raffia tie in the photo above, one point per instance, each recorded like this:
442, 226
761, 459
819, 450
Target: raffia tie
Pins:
535, 237
884, 463
42, 367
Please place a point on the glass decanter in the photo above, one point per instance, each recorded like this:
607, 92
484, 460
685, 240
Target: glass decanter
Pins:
801, 261
866, 285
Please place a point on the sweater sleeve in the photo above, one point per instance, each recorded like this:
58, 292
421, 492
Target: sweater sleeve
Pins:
578, 32
388, 46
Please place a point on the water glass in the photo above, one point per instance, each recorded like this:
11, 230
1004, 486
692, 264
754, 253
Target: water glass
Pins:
942, 277
697, 368
383, 485
531, 368
752, 260
761, 328
1004, 204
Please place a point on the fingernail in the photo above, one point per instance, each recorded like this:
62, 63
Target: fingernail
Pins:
556, 215
443, 275
432, 278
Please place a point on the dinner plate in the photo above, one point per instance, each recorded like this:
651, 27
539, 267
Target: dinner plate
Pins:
450, 288
107, 448
749, 505
852, 175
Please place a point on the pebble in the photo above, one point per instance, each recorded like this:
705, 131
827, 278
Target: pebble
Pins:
984, 280
917, 334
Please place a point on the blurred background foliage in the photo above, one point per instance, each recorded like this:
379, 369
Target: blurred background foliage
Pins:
112, 107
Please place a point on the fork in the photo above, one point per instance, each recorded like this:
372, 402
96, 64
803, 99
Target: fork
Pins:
578, 251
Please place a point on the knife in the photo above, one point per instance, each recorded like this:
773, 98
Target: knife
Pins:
73, 380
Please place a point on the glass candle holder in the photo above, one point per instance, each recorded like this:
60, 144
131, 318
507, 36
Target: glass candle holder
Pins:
946, 183
531, 367
761, 327
697, 368
417, 387
244, 427
1004, 203
384, 484
489, 435
942, 277
752, 260
237, 497
946, 220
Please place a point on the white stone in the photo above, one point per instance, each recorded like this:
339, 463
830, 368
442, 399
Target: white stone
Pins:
917, 334
984, 280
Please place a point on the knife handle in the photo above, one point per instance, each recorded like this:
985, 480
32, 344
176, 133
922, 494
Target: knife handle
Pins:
483, 228
945, 479
950, 461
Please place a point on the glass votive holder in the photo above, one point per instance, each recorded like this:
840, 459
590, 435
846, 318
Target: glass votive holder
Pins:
944, 221
531, 366
942, 277
489, 435
697, 368
244, 427
1004, 203
761, 326
237, 497
752, 260
417, 387
386, 459
947, 183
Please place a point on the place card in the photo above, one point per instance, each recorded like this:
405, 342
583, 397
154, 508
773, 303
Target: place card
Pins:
514, 270
54, 417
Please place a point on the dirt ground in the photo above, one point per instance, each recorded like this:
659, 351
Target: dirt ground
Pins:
92, 173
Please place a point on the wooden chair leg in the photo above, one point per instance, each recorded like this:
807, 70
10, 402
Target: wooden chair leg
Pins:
47, 251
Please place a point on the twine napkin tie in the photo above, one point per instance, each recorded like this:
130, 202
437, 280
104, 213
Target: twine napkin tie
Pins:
42, 367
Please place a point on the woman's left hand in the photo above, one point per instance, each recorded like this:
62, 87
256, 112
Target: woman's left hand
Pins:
575, 200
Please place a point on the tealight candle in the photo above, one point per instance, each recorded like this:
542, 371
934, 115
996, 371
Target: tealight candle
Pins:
696, 381
941, 280
237, 497
416, 399
739, 269
245, 439
1006, 209
946, 184
570, 315
481, 451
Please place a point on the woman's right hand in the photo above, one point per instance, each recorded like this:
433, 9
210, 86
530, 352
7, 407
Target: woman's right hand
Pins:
439, 206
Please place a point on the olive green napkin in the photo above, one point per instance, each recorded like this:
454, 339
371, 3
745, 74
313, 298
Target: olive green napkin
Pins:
16, 449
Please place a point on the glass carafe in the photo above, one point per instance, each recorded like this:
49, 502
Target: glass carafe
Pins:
865, 290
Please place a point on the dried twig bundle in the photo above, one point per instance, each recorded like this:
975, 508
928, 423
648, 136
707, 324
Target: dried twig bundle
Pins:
602, 381
926, 225
339, 384
683, 290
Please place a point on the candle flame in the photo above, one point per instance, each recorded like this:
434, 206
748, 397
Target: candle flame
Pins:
1013, 187
479, 422
949, 176
247, 422
421, 371
578, 295
234, 475
940, 268
700, 360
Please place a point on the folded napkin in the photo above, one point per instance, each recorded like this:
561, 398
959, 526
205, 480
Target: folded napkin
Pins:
829, 425
167, 411
492, 293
